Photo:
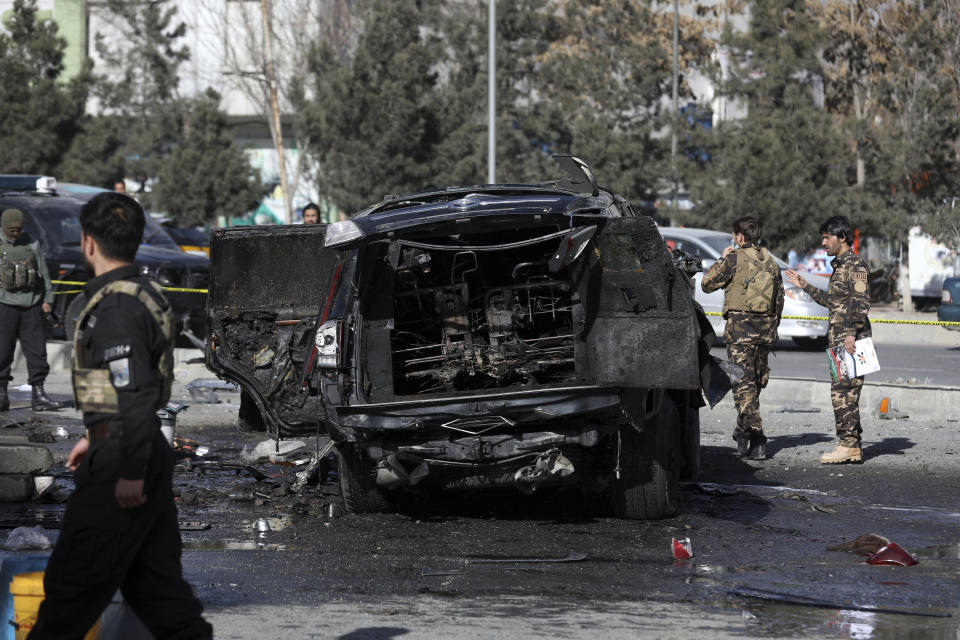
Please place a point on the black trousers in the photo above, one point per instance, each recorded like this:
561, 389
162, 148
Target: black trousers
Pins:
25, 323
89, 564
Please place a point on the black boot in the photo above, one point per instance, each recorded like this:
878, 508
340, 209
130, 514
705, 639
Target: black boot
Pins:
4, 399
743, 443
40, 400
758, 446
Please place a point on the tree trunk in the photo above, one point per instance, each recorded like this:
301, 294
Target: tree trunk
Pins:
906, 300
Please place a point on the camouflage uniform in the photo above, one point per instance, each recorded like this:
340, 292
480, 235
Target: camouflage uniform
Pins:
748, 337
848, 299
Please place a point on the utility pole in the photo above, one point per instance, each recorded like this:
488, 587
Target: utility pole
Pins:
275, 108
492, 93
676, 102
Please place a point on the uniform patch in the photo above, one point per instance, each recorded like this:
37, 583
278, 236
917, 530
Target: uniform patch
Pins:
120, 372
860, 286
859, 275
117, 351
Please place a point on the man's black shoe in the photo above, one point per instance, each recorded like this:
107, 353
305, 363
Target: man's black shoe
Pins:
743, 444
4, 399
41, 402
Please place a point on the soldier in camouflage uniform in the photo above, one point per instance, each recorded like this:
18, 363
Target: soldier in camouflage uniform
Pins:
752, 305
848, 299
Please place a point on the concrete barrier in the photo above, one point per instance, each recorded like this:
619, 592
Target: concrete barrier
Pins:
929, 402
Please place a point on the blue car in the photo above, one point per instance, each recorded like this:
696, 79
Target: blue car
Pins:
949, 309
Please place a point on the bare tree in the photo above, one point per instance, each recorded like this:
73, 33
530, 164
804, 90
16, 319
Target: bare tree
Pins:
265, 48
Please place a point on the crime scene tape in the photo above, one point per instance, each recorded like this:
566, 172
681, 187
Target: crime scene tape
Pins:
74, 282
872, 320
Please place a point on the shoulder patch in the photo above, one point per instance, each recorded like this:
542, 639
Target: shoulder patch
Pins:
120, 372
860, 275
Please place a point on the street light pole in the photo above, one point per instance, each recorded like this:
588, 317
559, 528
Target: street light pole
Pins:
676, 101
492, 93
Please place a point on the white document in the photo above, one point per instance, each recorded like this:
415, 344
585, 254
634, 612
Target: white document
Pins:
844, 366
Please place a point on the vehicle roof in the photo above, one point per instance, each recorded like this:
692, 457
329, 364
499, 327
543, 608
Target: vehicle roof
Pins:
469, 197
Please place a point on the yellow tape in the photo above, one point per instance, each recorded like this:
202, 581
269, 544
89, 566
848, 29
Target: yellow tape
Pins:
57, 293
872, 320
177, 289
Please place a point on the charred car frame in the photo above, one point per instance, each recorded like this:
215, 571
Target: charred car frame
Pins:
472, 338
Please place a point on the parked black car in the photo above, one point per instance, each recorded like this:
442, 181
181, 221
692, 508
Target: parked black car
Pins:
53, 219
472, 338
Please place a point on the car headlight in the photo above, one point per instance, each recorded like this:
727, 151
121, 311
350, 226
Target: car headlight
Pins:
797, 294
340, 233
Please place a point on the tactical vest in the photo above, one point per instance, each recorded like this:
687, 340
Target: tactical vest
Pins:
754, 285
18, 267
92, 388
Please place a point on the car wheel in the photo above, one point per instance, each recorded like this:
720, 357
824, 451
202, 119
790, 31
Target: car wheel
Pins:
72, 314
248, 417
810, 342
691, 443
647, 486
360, 491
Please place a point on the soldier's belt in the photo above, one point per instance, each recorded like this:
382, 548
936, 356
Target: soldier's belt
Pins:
104, 431
872, 320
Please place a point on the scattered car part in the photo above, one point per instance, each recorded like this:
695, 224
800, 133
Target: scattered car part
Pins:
682, 549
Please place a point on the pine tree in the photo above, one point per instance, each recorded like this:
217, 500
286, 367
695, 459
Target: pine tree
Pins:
38, 112
782, 163
206, 174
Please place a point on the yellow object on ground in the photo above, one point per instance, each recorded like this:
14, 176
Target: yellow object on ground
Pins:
27, 592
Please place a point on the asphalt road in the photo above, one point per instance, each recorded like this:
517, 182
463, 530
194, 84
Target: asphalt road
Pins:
483, 566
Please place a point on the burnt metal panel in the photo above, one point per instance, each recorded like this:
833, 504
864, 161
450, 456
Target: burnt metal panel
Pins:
639, 326
270, 267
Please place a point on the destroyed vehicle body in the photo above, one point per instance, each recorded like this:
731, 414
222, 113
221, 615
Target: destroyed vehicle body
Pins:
506, 336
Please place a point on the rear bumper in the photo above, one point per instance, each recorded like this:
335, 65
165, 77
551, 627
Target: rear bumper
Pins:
519, 408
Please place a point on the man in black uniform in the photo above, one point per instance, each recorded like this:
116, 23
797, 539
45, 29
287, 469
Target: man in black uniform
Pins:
120, 528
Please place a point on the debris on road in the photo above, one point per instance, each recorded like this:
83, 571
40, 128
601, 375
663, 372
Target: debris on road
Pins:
682, 549
24, 538
573, 556
893, 554
711, 489
426, 571
203, 390
865, 545
193, 525
263, 450
189, 448
888, 411
793, 409
41, 436
789, 495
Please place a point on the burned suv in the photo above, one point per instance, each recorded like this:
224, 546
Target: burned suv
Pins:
472, 338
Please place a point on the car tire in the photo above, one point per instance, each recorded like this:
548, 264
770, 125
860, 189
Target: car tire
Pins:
248, 417
647, 486
810, 342
691, 443
357, 485
72, 314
